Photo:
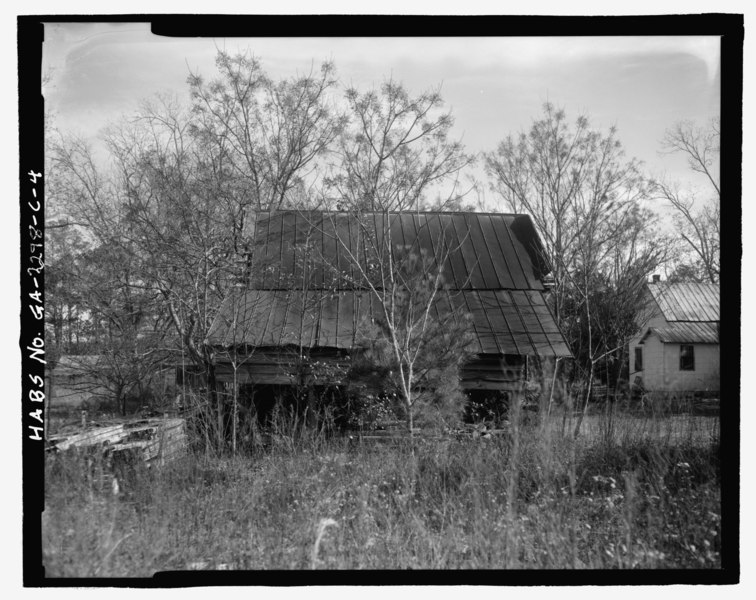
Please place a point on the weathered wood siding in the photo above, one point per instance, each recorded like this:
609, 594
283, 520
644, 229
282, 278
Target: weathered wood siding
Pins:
268, 367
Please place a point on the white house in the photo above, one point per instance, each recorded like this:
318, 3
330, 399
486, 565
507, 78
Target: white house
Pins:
678, 349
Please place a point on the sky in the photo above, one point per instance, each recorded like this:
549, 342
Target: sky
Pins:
494, 86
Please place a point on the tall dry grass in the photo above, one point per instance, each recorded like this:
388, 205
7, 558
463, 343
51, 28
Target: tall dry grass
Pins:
639, 492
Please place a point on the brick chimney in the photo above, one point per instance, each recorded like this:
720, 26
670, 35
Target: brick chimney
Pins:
656, 278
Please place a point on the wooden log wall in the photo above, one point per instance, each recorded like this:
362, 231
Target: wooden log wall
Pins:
271, 367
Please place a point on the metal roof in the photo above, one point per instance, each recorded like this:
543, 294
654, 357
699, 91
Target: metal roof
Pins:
504, 321
697, 302
481, 250
305, 286
687, 333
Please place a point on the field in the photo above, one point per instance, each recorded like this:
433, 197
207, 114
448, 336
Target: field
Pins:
643, 493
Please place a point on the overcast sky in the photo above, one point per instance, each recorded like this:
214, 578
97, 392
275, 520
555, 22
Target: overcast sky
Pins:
494, 86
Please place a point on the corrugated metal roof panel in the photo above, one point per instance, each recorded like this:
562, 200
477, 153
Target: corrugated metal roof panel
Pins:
688, 333
687, 301
503, 322
503, 273
328, 321
487, 251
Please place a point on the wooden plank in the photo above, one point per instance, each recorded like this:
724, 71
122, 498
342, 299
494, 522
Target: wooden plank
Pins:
160, 439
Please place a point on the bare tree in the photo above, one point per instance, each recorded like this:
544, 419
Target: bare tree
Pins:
184, 179
237, 319
573, 181
241, 308
697, 223
270, 133
396, 149
418, 331
585, 200
606, 304
96, 279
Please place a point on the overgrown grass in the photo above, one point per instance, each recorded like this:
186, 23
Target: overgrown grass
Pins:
636, 498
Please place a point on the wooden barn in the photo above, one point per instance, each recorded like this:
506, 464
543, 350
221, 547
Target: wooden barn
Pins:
678, 349
304, 292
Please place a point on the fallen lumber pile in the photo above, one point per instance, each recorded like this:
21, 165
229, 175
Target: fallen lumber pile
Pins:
153, 440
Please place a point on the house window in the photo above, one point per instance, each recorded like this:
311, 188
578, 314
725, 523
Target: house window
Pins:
687, 358
638, 358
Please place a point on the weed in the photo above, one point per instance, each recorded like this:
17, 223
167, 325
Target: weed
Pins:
645, 497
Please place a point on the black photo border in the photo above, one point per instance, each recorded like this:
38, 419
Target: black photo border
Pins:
30, 36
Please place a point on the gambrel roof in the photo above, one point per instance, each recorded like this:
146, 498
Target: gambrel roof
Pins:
304, 286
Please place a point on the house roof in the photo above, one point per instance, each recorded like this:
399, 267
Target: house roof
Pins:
305, 284
504, 321
686, 333
483, 250
694, 302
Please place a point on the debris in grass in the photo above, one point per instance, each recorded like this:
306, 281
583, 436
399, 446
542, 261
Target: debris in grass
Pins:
154, 440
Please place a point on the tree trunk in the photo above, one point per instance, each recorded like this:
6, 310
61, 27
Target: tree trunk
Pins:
121, 401
553, 385
514, 459
70, 328
50, 391
581, 416
621, 364
215, 399
235, 410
